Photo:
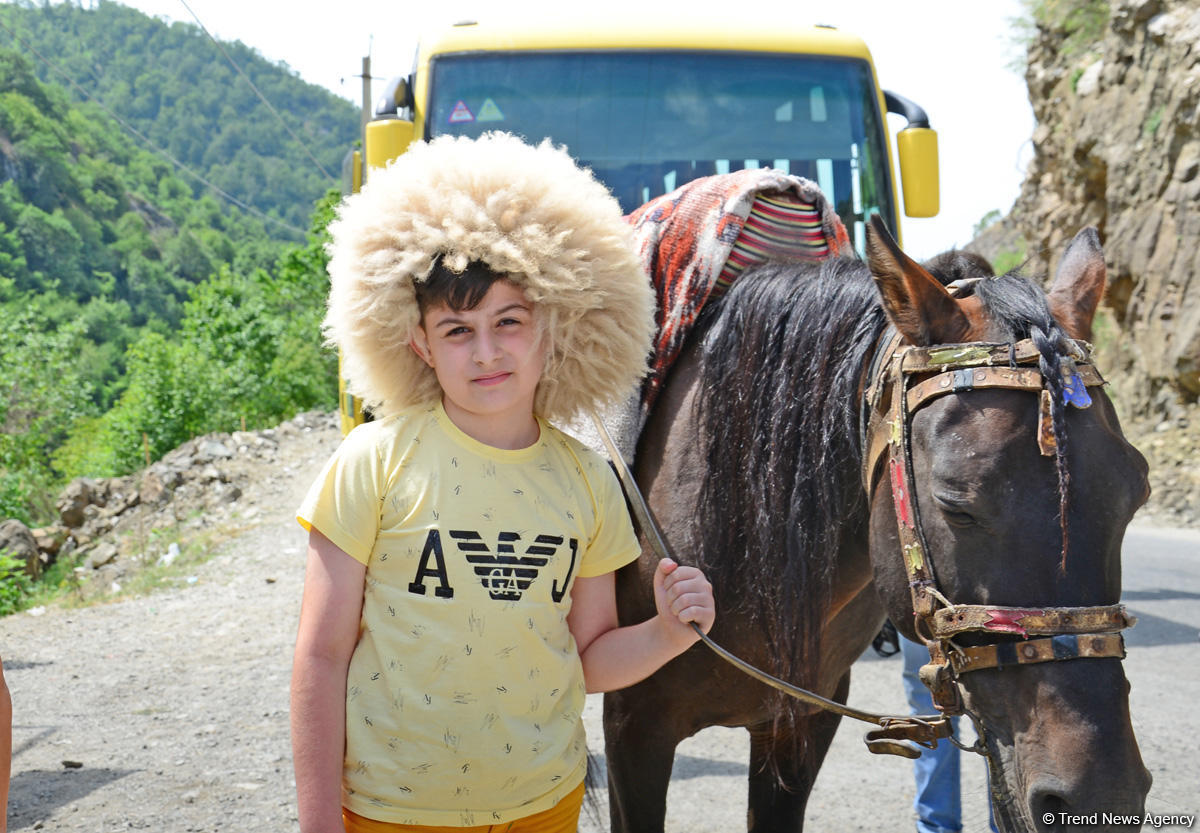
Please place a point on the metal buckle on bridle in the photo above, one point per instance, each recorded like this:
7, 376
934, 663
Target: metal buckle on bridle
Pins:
963, 380
898, 734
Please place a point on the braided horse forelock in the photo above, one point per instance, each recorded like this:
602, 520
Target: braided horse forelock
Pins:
1020, 306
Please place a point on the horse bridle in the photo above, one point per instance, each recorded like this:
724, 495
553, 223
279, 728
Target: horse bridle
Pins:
1063, 633
1068, 632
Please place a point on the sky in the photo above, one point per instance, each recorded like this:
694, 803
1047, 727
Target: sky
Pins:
953, 57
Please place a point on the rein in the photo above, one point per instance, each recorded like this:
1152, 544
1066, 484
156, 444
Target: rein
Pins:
924, 730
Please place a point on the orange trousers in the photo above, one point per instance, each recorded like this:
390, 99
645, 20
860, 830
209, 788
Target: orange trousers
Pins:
563, 817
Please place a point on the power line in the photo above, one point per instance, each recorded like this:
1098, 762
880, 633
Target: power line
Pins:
261, 97
146, 140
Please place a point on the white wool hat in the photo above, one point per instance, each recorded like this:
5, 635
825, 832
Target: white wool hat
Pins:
528, 212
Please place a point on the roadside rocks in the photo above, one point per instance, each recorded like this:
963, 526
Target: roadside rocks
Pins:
115, 524
1172, 448
102, 554
79, 494
17, 541
50, 539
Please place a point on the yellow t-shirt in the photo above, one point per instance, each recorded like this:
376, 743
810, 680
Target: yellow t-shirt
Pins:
465, 692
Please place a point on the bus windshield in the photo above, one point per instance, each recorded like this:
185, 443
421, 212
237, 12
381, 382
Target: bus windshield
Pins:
646, 122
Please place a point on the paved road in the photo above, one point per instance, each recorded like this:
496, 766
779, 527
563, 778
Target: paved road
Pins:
857, 791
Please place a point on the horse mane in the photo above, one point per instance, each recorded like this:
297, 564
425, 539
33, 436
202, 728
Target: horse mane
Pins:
782, 362
956, 265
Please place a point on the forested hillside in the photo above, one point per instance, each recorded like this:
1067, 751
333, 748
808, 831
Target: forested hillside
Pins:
137, 308
91, 220
175, 86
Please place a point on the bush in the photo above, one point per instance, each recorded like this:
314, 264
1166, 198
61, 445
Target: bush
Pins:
1081, 22
14, 497
1010, 259
42, 397
170, 398
15, 586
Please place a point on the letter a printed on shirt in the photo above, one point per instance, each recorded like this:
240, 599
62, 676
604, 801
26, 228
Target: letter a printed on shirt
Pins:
433, 546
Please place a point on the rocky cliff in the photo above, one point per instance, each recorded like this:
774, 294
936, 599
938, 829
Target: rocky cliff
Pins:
1117, 146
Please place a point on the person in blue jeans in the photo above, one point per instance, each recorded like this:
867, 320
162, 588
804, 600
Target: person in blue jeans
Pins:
938, 802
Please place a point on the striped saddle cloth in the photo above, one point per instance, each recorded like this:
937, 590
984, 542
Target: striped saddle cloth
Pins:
695, 241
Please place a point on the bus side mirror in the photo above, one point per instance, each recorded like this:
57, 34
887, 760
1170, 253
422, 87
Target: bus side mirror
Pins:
919, 171
387, 139
917, 145
397, 95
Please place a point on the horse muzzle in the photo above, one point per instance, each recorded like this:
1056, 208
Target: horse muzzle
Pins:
1061, 748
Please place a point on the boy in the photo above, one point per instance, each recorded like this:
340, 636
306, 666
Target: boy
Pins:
459, 596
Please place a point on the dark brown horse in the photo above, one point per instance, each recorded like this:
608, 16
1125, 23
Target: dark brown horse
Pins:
753, 463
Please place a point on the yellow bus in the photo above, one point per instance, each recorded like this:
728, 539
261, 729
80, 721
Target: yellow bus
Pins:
649, 108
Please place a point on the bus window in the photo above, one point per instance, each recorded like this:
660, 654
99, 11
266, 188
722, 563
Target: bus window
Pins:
648, 121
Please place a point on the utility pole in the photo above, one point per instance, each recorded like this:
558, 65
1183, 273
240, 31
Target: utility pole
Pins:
366, 110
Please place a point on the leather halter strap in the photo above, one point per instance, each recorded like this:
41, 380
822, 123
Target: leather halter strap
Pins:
1048, 649
1026, 622
956, 369
978, 378
891, 398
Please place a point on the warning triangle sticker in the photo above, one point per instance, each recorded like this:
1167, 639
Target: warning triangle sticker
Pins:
461, 113
489, 112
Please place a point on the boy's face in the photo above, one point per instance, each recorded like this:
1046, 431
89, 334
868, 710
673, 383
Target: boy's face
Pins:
488, 360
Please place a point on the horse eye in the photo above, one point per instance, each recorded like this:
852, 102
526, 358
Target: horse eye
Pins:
953, 511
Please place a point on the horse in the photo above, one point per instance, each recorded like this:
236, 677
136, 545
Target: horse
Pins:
763, 464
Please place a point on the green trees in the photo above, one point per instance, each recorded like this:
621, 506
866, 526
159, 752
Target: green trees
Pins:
42, 398
248, 349
173, 85
84, 213
135, 306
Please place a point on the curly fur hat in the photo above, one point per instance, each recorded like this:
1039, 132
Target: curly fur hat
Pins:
529, 212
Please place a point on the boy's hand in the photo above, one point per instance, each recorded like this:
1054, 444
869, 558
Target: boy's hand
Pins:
683, 595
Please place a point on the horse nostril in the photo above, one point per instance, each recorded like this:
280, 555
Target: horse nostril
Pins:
1049, 809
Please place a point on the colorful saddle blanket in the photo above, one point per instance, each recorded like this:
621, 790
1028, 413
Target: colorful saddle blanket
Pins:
695, 241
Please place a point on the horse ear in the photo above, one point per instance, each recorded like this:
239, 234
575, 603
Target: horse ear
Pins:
916, 304
1079, 284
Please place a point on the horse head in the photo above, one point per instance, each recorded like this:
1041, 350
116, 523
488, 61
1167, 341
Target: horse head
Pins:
1002, 521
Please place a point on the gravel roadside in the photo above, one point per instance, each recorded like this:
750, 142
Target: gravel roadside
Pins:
170, 712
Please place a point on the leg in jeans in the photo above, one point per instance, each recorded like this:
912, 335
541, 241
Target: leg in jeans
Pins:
939, 801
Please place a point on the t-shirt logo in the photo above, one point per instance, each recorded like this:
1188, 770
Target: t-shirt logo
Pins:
504, 574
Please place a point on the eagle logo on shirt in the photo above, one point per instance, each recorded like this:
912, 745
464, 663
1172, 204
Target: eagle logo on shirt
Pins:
505, 574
